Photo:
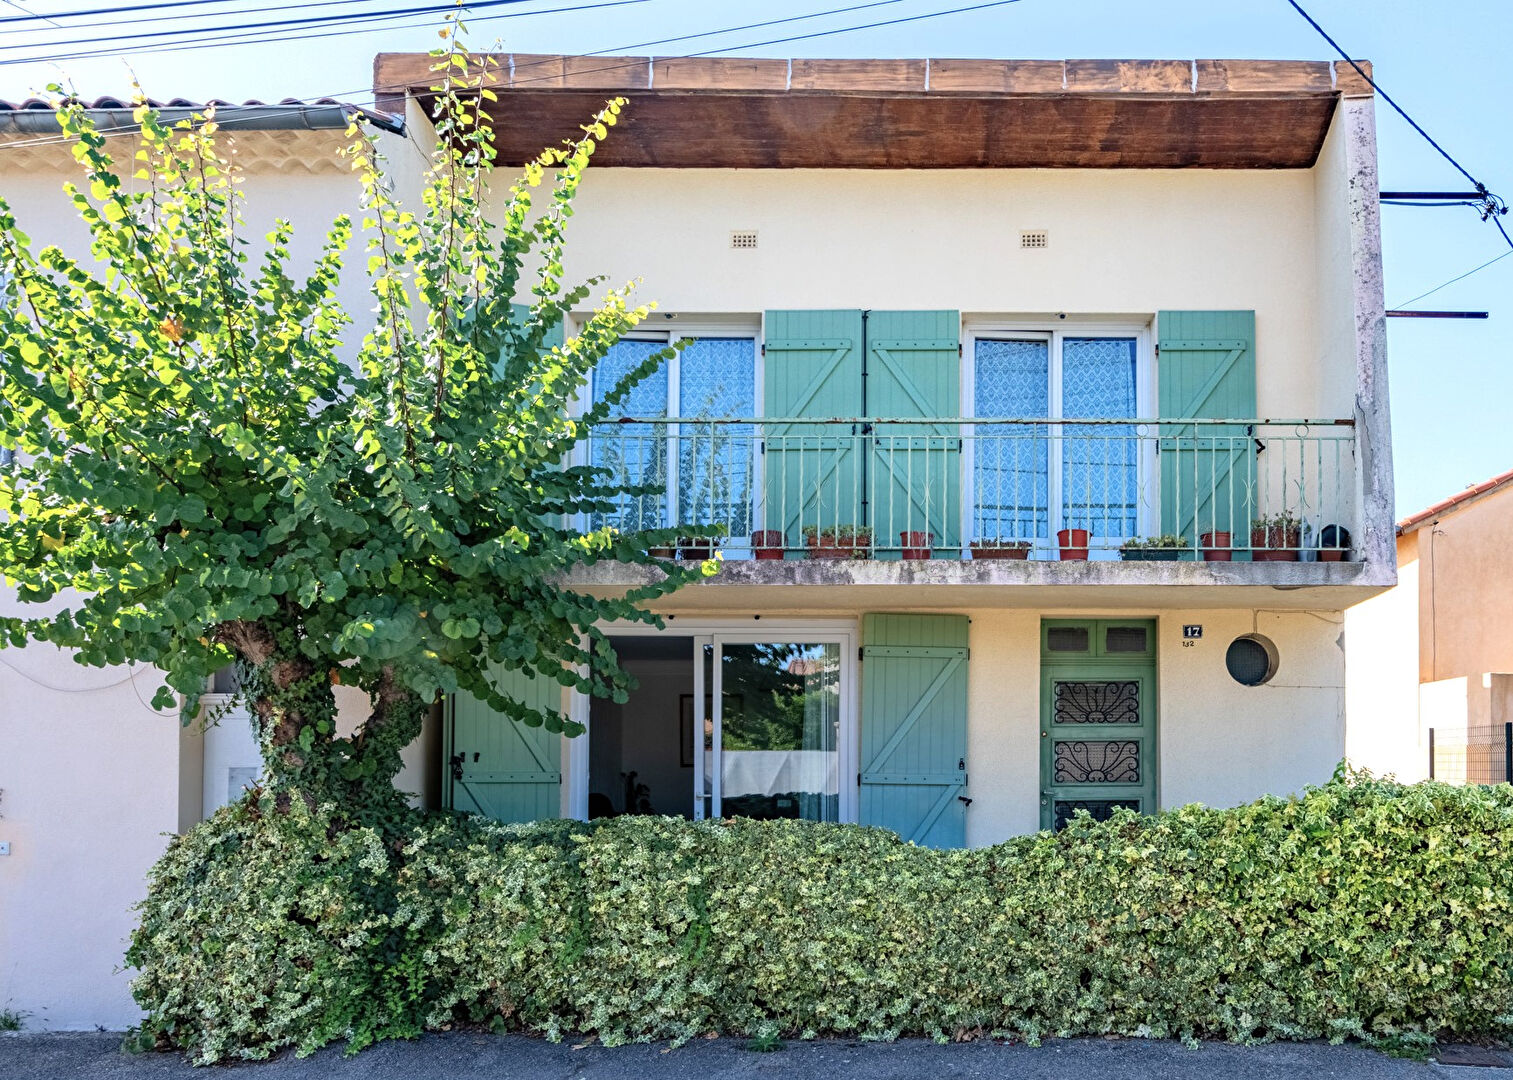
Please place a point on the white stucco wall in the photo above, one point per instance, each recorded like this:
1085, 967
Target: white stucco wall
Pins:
1381, 678
89, 786
1122, 243
1220, 743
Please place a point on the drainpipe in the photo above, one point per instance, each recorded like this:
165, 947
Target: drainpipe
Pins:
866, 446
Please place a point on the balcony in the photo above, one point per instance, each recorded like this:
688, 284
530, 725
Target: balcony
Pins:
805, 501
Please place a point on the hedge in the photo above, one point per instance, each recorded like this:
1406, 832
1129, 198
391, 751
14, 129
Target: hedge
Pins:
1359, 909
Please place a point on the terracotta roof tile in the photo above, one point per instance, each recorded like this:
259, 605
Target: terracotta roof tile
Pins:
1475, 491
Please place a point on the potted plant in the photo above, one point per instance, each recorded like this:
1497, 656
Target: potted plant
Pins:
767, 544
1276, 538
1217, 547
824, 543
1001, 549
697, 548
1073, 544
662, 551
1334, 543
1167, 548
855, 541
916, 545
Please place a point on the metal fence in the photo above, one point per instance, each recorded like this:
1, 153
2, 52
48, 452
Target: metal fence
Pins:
959, 487
1476, 756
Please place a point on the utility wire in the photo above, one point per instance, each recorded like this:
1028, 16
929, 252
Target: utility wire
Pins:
305, 22
370, 90
29, 14
1492, 206
1452, 281
261, 37
117, 23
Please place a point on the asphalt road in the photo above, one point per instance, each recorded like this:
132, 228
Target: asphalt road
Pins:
466, 1056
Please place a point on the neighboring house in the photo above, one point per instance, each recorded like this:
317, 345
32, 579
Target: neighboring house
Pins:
1434, 657
940, 311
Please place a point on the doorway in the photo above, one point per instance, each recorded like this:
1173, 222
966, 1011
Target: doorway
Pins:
725, 722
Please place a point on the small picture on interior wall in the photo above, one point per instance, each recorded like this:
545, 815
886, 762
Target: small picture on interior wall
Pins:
685, 723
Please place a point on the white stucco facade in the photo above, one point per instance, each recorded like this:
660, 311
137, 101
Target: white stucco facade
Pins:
93, 780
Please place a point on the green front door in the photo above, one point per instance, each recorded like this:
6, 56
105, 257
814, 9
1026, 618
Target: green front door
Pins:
1097, 718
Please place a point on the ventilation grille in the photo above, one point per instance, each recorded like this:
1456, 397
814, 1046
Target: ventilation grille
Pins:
743, 239
1035, 238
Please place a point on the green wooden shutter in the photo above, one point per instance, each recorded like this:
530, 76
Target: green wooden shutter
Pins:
914, 369
555, 335
497, 766
1207, 370
914, 726
812, 472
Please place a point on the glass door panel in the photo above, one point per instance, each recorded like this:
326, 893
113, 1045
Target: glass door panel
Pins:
774, 747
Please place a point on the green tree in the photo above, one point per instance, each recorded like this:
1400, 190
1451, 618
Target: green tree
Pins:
202, 479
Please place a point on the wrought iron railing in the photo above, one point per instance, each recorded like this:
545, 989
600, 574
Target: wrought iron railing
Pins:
979, 488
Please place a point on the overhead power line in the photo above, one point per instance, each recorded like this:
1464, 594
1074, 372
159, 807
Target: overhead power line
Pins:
1491, 207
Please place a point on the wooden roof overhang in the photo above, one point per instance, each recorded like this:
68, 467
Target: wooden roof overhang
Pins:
909, 114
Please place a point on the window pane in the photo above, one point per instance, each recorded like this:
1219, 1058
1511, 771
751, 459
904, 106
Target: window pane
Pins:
633, 453
1099, 484
779, 731
1010, 473
717, 378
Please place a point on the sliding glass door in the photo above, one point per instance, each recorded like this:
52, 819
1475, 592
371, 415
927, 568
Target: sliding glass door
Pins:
770, 734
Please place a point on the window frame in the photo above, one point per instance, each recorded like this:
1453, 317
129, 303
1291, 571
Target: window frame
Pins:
1054, 333
740, 326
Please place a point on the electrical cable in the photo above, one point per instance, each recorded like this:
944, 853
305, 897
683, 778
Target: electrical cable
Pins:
367, 91
277, 36
117, 23
1492, 206
307, 21
1452, 281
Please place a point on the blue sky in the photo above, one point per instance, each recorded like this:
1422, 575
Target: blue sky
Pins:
1451, 381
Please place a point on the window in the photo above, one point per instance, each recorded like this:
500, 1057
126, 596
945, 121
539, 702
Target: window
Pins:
706, 469
1030, 480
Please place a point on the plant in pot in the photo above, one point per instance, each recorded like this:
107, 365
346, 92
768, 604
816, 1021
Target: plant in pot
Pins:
824, 543
1073, 543
1334, 543
1217, 546
1167, 548
855, 541
767, 544
1276, 538
916, 545
1001, 549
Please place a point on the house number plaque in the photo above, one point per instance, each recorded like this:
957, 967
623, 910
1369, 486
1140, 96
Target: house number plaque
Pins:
1192, 632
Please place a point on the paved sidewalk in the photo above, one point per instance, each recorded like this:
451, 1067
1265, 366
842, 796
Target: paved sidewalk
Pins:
466, 1056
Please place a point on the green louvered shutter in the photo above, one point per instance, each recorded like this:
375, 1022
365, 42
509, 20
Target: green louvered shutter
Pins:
1207, 370
497, 766
914, 727
812, 472
914, 369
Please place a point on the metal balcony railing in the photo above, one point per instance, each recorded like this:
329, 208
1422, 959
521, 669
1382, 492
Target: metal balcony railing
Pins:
987, 488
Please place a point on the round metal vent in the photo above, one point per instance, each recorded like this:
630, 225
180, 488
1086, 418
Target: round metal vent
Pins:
1251, 660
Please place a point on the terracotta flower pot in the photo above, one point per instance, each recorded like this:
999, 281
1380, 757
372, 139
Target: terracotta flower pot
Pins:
767, 544
828, 547
1275, 543
993, 549
1331, 555
696, 548
1073, 544
1217, 547
855, 547
916, 544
